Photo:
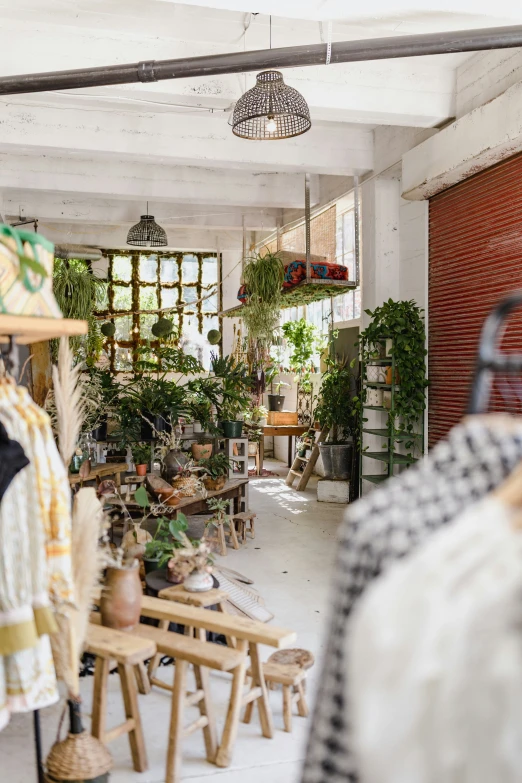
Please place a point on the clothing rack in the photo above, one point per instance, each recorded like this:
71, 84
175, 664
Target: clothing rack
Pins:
490, 359
16, 329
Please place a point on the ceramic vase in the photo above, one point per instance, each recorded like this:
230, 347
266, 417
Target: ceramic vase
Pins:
198, 582
121, 598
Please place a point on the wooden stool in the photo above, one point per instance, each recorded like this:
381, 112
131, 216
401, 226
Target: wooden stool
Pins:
241, 520
129, 480
221, 535
128, 651
177, 593
291, 677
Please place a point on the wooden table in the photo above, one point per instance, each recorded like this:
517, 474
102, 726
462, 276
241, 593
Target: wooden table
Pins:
197, 505
100, 471
291, 430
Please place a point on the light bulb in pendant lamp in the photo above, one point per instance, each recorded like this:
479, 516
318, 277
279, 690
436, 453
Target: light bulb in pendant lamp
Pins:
271, 110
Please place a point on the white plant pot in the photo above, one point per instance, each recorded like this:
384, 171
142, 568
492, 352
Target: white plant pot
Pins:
252, 449
375, 373
196, 427
263, 422
198, 582
374, 397
189, 429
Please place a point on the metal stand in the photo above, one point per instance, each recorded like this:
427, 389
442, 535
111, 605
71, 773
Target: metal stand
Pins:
490, 360
38, 747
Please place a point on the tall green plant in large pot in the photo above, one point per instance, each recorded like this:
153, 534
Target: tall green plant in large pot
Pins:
335, 410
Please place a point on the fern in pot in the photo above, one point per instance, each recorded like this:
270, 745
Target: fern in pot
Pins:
216, 469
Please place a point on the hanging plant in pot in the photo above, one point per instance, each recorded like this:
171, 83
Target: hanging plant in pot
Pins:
336, 411
263, 276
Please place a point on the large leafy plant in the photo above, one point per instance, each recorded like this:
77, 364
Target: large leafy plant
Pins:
402, 322
305, 340
335, 408
263, 276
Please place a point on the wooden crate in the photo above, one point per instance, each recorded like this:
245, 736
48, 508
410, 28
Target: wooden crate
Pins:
282, 417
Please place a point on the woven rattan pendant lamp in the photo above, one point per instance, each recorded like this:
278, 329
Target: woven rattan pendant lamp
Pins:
147, 233
271, 110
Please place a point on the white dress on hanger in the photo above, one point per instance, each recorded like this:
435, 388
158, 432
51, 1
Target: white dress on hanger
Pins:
435, 659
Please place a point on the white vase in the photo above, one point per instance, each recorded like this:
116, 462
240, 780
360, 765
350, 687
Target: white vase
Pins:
197, 427
198, 582
188, 429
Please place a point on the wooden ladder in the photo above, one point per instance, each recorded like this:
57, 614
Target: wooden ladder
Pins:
310, 461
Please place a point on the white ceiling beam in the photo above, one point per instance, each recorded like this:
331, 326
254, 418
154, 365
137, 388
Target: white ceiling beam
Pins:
54, 208
137, 181
184, 140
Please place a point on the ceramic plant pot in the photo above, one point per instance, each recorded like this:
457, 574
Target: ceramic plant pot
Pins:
201, 450
198, 582
121, 598
337, 460
232, 429
141, 470
252, 449
173, 462
197, 427
276, 402
133, 542
389, 375
214, 485
151, 564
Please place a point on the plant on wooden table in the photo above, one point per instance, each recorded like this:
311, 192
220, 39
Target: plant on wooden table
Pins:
169, 536
216, 468
141, 453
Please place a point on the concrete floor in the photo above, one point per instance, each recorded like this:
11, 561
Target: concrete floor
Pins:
290, 562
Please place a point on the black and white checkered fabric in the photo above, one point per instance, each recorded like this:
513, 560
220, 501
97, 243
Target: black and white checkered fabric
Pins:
385, 526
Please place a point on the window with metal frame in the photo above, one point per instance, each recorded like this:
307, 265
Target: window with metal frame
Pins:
142, 283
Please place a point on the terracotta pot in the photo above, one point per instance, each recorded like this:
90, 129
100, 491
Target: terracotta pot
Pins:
214, 484
141, 470
133, 542
201, 450
172, 500
389, 375
198, 582
121, 598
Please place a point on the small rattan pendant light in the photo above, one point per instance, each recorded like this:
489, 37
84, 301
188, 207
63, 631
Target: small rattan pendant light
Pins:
271, 110
147, 233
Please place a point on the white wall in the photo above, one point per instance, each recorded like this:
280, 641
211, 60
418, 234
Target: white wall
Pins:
485, 76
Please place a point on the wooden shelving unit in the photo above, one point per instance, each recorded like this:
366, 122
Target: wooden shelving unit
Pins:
389, 433
32, 329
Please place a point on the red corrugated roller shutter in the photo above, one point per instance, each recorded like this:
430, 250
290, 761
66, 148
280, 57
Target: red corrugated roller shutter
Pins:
475, 251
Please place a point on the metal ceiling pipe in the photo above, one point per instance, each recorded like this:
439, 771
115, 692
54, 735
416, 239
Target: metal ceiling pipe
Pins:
286, 57
69, 252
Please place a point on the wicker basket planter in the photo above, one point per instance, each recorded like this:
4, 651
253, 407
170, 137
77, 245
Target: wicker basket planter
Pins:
214, 485
186, 485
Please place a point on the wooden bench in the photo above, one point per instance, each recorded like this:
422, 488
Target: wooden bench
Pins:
128, 652
248, 635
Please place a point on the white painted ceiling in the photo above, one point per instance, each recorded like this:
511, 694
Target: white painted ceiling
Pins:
93, 157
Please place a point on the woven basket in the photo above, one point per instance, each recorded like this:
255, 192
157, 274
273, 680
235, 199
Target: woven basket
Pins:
79, 757
187, 485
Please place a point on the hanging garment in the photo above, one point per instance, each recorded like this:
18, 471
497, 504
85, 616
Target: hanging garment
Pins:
383, 527
35, 558
435, 654
12, 459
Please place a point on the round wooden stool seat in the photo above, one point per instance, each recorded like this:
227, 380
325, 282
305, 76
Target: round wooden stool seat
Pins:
294, 656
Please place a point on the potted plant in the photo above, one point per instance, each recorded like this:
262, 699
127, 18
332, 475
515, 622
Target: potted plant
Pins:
191, 564
336, 410
202, 449
305, 340
216, 468
233, 398
277, 400
187, 482
254, 432
263, 277
165, 541
141, 455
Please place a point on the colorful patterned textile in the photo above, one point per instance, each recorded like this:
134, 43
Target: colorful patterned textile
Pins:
296, 271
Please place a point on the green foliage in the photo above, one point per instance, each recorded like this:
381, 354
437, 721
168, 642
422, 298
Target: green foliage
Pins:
234, 385
141, 497
162, 327
167, 538
217, 465
403, 323
141, 454
263, 276
169, 358
305, 340
214, 336
76, 289
335, 408
108, 329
